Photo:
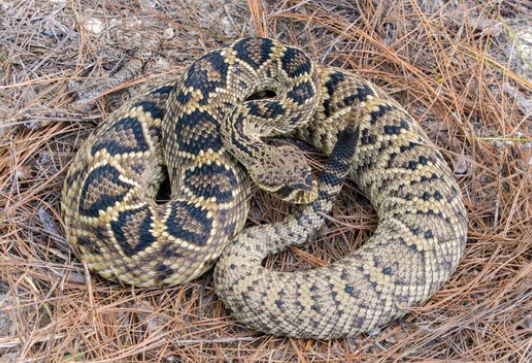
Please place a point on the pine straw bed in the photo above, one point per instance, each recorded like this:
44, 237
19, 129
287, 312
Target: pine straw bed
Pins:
462, 67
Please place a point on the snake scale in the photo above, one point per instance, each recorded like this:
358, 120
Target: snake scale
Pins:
199, 126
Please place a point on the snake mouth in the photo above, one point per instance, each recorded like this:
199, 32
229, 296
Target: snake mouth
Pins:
299, 193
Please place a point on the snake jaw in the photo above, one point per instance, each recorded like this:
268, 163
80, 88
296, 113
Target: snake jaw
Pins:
298, 193
295, 185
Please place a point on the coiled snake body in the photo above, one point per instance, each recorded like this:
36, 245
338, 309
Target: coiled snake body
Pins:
202, 119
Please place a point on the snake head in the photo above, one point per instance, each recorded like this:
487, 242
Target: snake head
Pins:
284, 172
297, 192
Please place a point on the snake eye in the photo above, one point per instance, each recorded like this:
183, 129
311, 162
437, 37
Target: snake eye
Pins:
284, 192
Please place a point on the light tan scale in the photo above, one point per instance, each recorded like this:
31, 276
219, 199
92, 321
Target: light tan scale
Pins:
199, 126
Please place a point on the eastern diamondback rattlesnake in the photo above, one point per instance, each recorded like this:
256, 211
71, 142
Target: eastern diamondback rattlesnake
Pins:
123, 234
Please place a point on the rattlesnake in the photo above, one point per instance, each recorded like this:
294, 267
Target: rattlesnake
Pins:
202, 119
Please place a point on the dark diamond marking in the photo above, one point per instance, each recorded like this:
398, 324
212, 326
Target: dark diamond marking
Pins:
183, 97
170, 250
383, 110
238, 135
246, 49
197, 75
269, 109
344, 275
108, 174
392, 157
126, 126
301, 93
407, 147
331, 85
392, 130
150, 107
90, 246
361, 95
130, 219
230, 229
162, 91
412, 165
212, 180
351, 291
139, 169
291, 63
333, 82
327, 108
187, 215
163, 271
196, 125
367, 138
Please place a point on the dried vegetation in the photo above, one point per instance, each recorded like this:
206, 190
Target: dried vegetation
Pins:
462, 67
